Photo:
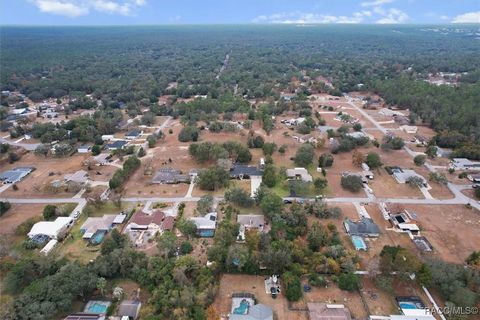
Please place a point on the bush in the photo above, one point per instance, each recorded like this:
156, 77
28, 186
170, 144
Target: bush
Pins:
304, 155
239, 197
49, 212
352, 182
186, 247
293, 286
373, 160
188, 133
419, 160
4, 206
325, 160
96, 150
349, 281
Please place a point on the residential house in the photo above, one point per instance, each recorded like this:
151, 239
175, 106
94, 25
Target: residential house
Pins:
206, 225
365, 175
443, 153
133, 134
129, 309
48, 230
95, 228
359, 135
403, 175
170, 176
324, 311
80, 177
364, 228
83, 148
409, 129
465, 164
401, 120
419, 139
390, 112
474, 177
101, 159
241, 171
249, 222
15, 175
143, 227
244, 308
117, 145
299, 174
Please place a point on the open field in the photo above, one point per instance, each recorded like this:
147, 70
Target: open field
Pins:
50, 169
451, 229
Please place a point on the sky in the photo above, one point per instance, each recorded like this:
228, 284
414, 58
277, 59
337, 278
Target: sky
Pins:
153, 12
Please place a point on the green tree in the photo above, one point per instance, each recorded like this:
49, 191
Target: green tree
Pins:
186, 247
349, 281
325, 160
213, 178
187, 227
166, 244
373, 160
96, 150
293, 286
269, 176
419, 160
49, 212
352, 182
304, 155
239, 197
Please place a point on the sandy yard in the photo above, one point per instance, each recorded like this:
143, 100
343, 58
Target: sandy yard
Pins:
17, 214
36, 184
440, 223
236, 283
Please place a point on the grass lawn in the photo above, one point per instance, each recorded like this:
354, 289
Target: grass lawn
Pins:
74, 247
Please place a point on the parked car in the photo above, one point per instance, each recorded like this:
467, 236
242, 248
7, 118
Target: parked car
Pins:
476, 185
76, 215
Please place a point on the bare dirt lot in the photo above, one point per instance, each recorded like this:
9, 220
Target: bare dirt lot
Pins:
451, 229
231, 283
17, 214
36, 184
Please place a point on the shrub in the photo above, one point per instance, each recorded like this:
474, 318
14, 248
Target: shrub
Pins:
304, 155
373, 160
420, 159
188, 133
349, 281
352, 182
186, 247
325, 160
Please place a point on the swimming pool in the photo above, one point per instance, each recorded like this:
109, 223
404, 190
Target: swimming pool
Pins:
206, 233
97, 307
98, 237
242, 308
407, 305
359, 243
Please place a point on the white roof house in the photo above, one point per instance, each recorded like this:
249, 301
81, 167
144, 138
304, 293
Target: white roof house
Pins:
405, 174
251, 221
409, 129
301, 173
209, 221
81, 176
390, 112
83, 149
51, 229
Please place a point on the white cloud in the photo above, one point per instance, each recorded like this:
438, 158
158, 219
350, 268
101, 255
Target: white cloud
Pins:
375, 3
112, 7
299, 17
75, 8
64, 8
469, 17
393, 16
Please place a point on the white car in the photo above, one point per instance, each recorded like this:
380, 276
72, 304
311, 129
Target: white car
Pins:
76, 214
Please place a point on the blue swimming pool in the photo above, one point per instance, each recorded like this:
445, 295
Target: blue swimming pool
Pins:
407, 305
98, 237
359, 243
242, 308
98, 308
206, 233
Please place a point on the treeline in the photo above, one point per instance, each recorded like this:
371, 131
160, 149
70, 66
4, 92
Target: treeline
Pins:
445, 109
208, 151
121, 175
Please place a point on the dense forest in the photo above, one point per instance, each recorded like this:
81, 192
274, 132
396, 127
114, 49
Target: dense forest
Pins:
134, 66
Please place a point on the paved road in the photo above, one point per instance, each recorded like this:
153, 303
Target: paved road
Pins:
26, 146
